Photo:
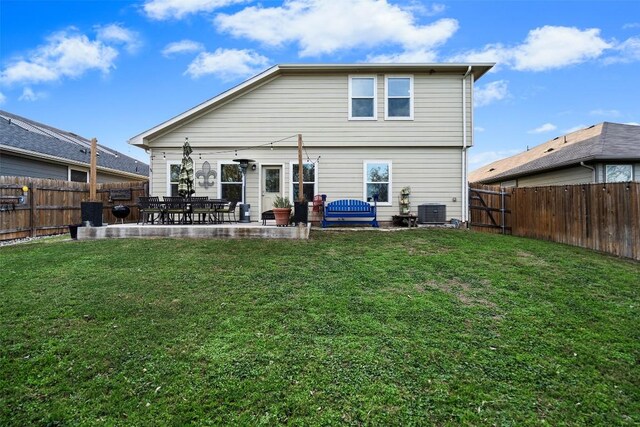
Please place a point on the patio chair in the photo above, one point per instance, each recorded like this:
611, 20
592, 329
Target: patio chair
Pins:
150, 209
203, 208
174, 206
228, 209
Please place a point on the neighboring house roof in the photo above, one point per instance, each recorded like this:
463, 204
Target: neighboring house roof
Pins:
605, 141
29, 138
141, 140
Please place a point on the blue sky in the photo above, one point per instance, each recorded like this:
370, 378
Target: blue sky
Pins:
112, 69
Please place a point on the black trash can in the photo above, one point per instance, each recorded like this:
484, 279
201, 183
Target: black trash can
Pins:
73, 230
92, 212
301, 212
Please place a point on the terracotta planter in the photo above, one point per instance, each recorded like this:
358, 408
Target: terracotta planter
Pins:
282, 216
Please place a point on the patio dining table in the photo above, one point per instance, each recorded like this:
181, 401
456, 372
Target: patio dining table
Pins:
178, 210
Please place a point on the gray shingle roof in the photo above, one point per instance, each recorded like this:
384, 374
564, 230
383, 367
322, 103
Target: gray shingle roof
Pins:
21, 133
605, 141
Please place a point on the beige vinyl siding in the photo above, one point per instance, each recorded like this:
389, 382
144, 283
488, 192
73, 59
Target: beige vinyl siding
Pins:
574, 175
425, 152
317, 107
434, 174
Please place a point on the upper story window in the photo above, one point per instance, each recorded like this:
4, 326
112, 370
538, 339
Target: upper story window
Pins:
399, 98
362, 98
619, 173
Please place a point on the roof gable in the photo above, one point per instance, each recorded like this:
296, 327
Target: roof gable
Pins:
142, 139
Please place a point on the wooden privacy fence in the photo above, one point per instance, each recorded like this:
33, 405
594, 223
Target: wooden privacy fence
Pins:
603, 217
51, 205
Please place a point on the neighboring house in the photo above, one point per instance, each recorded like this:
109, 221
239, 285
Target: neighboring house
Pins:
366, 128
32, 149
607, 152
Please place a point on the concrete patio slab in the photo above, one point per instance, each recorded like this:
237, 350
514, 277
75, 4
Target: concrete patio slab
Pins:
194, 231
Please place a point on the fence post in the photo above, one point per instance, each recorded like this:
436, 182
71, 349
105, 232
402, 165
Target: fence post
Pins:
33, 210
502, 208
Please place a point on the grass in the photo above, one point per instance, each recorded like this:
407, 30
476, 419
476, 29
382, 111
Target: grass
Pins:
421, 327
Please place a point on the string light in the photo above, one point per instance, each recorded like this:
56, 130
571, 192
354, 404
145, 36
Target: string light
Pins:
235, 150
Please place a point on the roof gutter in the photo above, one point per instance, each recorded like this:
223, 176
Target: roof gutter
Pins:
464, 190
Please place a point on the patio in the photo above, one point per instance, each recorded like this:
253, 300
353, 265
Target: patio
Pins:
195, 231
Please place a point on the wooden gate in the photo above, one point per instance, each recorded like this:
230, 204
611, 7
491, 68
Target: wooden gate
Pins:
490, 209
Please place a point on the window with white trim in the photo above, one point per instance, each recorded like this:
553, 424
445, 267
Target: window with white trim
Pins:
78, 175
362, 98
173, 174
309, 181
231, 182
398, 92
619, 173
377, 180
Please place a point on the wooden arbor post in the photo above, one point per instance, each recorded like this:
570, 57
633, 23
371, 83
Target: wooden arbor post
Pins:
93, 173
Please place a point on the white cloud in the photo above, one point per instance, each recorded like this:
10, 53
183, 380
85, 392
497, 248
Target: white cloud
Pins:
404, 57
66, 54
227, 64
485, 157
3, 98
327, 26
118, 34
631, 25
178, 9
419, 8
491, 92
603, 112
547, 127
182, 46
625, 52
545, 48
29, 95
479, 129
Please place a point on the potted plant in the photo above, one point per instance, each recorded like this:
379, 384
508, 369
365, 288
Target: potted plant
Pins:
282, 210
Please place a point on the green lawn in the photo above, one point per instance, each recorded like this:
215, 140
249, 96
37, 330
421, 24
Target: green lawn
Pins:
419, 327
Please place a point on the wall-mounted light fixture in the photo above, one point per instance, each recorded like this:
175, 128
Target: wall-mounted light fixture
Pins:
254, 167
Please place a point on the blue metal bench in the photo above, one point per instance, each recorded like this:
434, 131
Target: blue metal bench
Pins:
345, 211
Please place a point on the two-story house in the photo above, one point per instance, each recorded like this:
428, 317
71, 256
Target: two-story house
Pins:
366, 128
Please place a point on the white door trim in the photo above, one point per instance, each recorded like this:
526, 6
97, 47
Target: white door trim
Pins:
282, 184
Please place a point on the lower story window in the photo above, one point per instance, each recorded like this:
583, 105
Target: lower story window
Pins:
174, 177
619, 173
231, 182
78, 176
377, 181
308, 181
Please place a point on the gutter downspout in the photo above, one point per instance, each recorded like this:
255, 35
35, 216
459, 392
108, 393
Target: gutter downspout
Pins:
593, 171
464, 190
